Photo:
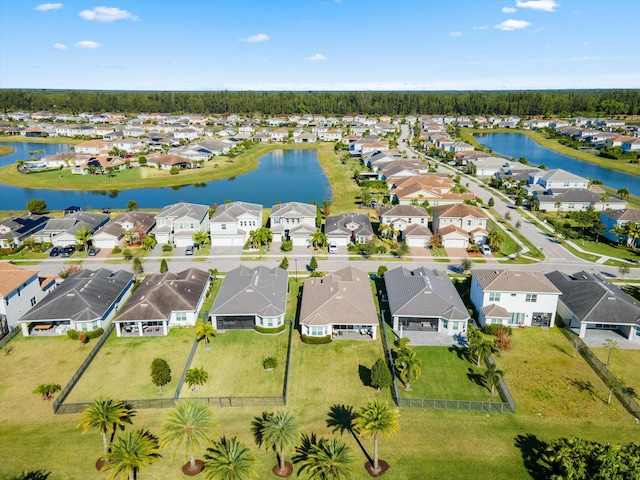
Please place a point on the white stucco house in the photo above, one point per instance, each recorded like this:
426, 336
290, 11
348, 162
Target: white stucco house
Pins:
232, 223
293, 221
179, 222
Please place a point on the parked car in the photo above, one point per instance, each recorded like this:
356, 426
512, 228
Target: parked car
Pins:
189, 250
55, 251
485, 250
333, 247
93, 251
67, 251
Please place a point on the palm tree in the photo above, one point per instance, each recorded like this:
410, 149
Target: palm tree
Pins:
229, 459
318, 239
632, 230
205, 330
200, 237
325, 459
129, 235
149, 242
190, 425
623, 193
47, 390
408, 365
83, 236
557, 205
260, 237
130, 453
493, 376
106, 415
376, 418
195, 377
484, 347
278, 431
495, 239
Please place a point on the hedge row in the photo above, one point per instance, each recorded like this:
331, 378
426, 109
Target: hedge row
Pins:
316, 340
269, 330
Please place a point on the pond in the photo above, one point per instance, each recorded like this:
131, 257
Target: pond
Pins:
282, 175
519, 145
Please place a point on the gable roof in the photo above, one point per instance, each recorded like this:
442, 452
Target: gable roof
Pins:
560, 175
423, 293
115, 228
161, 294
85, 296
458, 210
344, 297
183, 209
12, 276
337, 224
513, 281
403, 211
252, 291
293, 210
624, 215
230, 212
594, 300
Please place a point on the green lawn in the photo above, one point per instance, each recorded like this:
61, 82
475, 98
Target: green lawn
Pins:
545, 379
122, 367
234, 364
624, 364
448, 374
605, 248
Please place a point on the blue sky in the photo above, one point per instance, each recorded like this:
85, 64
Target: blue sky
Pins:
319, 45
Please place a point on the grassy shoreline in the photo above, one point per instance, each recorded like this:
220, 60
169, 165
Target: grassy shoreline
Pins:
552, 144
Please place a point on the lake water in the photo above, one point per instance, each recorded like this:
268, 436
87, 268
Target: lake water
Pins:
282, 175
519, 145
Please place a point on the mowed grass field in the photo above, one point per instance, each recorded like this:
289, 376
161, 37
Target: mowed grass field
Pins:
447, 374
624, 364
122, 368
234, 364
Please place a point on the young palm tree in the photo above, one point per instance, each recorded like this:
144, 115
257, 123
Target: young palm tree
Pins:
493, 376
130, 453
229, 459
278, 431
408, 365
195, 377
106, 415
376, 418
47, 390
149, 242
200, 237
484, 347
83, 236
325, 459
318, 239
129, 236
204, 330
260, 237
190, 425
495, 239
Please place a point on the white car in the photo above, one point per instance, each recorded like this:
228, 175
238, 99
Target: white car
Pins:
333, 247
485, 250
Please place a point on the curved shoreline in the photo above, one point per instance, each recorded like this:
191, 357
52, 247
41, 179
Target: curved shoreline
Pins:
631, 169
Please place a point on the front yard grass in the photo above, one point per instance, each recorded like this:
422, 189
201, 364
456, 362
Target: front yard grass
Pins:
122, 368
447, 374
545, 379
624, 364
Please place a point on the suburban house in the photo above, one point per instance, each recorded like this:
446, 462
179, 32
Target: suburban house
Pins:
112, 234
399, 219
516, 298
251, 297
14, 230
232, 223
340, 304
435, 189
557, 178
177, 223
576, 199
348, 228
460, 224
618, 218
92, 147
61, 232
166, 161
424, 300
293, 221
85, 301
162, 301
590, 302
20, 290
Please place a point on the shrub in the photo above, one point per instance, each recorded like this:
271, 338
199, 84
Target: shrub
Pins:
269, 330
116, 249
503, 342
381, 270
167, 248
174, 171
98, 332
73, 334
270, 363
286, 246
316, 340
41, 247
494, 329
380, 375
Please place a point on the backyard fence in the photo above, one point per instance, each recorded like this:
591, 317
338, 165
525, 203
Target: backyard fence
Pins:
287, 370
627, 398
187, 365
394, 384
242, 401
7, 338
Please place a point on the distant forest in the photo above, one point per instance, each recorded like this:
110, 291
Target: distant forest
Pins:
563, 103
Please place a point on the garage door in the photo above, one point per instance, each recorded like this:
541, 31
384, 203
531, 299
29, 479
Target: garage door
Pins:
245, 322
107, 243
455, 243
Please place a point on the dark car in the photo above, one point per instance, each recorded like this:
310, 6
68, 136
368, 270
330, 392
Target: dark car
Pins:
67, 251
55, 251
93, 251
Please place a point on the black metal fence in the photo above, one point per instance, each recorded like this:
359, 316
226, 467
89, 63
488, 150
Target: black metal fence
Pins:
285, 389
9, 336
627, 398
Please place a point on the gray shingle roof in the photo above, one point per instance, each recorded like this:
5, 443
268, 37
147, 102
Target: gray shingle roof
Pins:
85, 296
252, 291
337, 224
403, 211
513, 281
182, 209
594, 300
230, 212
293, 210
423, 293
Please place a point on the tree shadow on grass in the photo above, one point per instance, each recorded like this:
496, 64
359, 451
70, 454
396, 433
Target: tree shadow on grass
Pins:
365, 375
532, 451
341, 420
477, 378
587, 387
32, 475
462, 353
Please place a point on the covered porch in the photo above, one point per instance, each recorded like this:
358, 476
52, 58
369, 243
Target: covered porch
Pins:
353, 332
158, 328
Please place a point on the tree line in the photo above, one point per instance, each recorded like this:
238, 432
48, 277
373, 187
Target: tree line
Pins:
563, 103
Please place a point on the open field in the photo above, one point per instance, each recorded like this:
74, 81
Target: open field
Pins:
448, 374
234, 364
122, 367
4, 150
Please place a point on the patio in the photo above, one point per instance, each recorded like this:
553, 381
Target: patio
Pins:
431, 338
595, 338
361, 334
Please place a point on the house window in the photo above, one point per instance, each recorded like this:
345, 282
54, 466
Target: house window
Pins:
566, 184
422, 220
33, 301
516, 318
494, 297
468, 223
276, 220
181, 316
571, 205
192, 226
454, 325
18, 291
388, 220
270, 322
223, 226
316, 331
445, 324
531, 298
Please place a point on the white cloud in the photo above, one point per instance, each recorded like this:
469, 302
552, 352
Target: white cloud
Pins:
508, 9
545, 5
318, 57
509, 25
48, 6
260, 37
455, 34
59, 46
481, 27
87, 44
107, 14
